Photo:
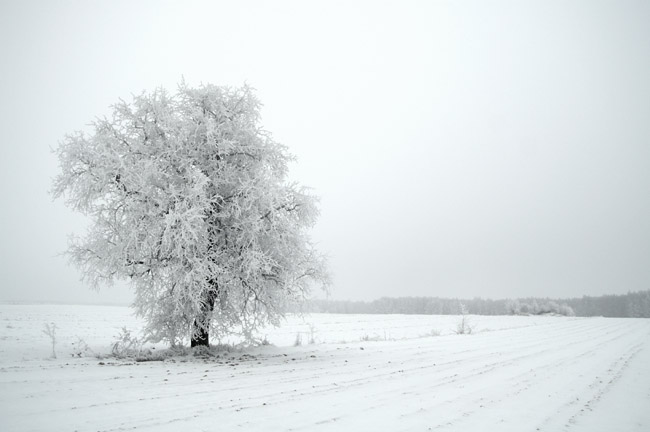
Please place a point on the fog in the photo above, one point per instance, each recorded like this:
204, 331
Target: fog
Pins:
460, 149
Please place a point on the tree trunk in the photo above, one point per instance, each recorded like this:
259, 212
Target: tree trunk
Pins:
200, 333
200, 337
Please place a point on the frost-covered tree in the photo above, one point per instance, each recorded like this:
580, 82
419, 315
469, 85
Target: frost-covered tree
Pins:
188, 198
513, 307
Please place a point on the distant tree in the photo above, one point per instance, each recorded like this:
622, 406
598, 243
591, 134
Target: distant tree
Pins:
566, 310
534, 307
634, 304
464, 326
188, 198
513, 307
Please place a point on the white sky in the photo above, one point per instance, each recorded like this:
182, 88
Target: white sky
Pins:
461, 148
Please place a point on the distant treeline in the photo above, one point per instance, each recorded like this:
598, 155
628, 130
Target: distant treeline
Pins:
633, 304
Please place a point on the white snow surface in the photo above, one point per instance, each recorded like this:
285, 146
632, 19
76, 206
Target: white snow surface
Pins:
362, 373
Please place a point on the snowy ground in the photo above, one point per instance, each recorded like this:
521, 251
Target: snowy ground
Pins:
364, 372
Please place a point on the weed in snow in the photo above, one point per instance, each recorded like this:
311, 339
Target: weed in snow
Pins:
81, 349
50, 330
126, 345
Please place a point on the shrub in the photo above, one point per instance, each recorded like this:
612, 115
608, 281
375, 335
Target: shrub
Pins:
126, 345
50, 331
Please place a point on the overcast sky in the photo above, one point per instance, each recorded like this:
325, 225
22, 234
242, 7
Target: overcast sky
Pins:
460, 148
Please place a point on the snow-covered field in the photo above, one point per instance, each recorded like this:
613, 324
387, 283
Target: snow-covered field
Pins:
363, 372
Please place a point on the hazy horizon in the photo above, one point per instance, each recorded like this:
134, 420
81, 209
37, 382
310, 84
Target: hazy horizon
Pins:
489, 149
102, 301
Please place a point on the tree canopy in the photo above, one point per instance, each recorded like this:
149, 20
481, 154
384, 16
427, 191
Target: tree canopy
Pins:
188, 198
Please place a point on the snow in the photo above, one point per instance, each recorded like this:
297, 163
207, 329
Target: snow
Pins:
364, 372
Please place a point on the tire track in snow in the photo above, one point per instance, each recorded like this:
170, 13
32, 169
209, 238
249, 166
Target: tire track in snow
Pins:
532, 354
529, 382
405, 384
289, 396
453, 379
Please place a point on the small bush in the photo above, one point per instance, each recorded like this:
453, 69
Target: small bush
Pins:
126, 345
203, 351
312, 334
148, 357
50, 331
81, 349
464, 326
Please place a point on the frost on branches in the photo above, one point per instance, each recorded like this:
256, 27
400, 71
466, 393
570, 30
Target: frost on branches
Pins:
188, 198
